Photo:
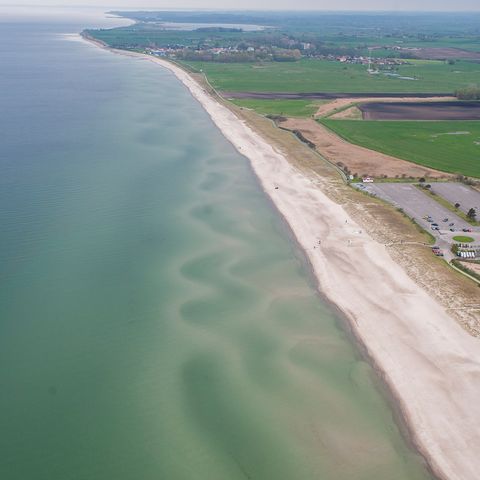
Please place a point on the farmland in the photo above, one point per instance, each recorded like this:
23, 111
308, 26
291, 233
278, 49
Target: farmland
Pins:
421, 110
313, 75
449, 146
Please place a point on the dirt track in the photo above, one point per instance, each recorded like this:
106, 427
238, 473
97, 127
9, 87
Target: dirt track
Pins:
339, 103
359, 160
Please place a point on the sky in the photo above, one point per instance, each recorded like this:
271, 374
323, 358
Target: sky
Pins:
395, 5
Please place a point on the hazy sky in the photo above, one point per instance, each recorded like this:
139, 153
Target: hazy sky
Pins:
425, 5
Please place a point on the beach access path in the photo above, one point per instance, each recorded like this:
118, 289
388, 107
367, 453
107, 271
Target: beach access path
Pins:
430, 363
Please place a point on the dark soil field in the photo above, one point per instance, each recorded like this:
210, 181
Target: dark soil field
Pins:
421, 111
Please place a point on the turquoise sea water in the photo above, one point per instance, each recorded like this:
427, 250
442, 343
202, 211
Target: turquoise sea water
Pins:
156, 320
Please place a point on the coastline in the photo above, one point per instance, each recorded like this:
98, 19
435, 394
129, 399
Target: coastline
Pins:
393, 319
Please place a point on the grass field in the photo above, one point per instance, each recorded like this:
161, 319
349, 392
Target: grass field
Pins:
447, 146
463, 239
288, 108
311, 75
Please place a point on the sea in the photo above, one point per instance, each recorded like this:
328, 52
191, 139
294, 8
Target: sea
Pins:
157, 319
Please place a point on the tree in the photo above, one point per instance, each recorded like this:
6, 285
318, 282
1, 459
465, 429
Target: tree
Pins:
422, 180
457, 205
471, 92
472, 214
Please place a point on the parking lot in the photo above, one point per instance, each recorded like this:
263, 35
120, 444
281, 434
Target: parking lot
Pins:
423, 209
466, 196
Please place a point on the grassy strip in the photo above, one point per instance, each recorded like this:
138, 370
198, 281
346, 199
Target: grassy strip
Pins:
463, 268
431, 239
463, 239
448, 205
282, 107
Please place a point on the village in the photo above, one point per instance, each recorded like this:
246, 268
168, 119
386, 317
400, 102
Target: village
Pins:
244, 52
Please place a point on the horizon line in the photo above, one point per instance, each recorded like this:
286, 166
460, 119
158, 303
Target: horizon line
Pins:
256, 10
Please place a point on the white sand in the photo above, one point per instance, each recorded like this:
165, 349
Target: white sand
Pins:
431, 364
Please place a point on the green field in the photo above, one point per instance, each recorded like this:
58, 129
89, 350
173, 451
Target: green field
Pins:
447, 146
288, 108
463, 239
311, 75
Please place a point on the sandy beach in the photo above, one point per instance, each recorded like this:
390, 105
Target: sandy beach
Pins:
430, 363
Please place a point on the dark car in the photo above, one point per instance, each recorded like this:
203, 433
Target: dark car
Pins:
451, 224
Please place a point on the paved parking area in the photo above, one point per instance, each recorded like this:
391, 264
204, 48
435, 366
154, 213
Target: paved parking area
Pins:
466, 196
418, 206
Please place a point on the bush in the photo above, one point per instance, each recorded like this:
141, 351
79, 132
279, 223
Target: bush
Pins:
468, 93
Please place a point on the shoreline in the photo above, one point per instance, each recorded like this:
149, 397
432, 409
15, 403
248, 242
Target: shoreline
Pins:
392, 318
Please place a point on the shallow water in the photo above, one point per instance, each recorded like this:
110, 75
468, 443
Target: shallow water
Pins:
156, 320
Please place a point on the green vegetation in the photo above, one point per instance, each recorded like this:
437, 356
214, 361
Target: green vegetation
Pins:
463, 267
313, 75
312, 52
288, 108
150, 35
452, 146
330, 31
463, 239
471, 92
472, 213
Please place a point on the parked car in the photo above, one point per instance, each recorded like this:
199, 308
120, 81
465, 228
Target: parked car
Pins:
451, 224
466, 230
445, 219
452, 229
